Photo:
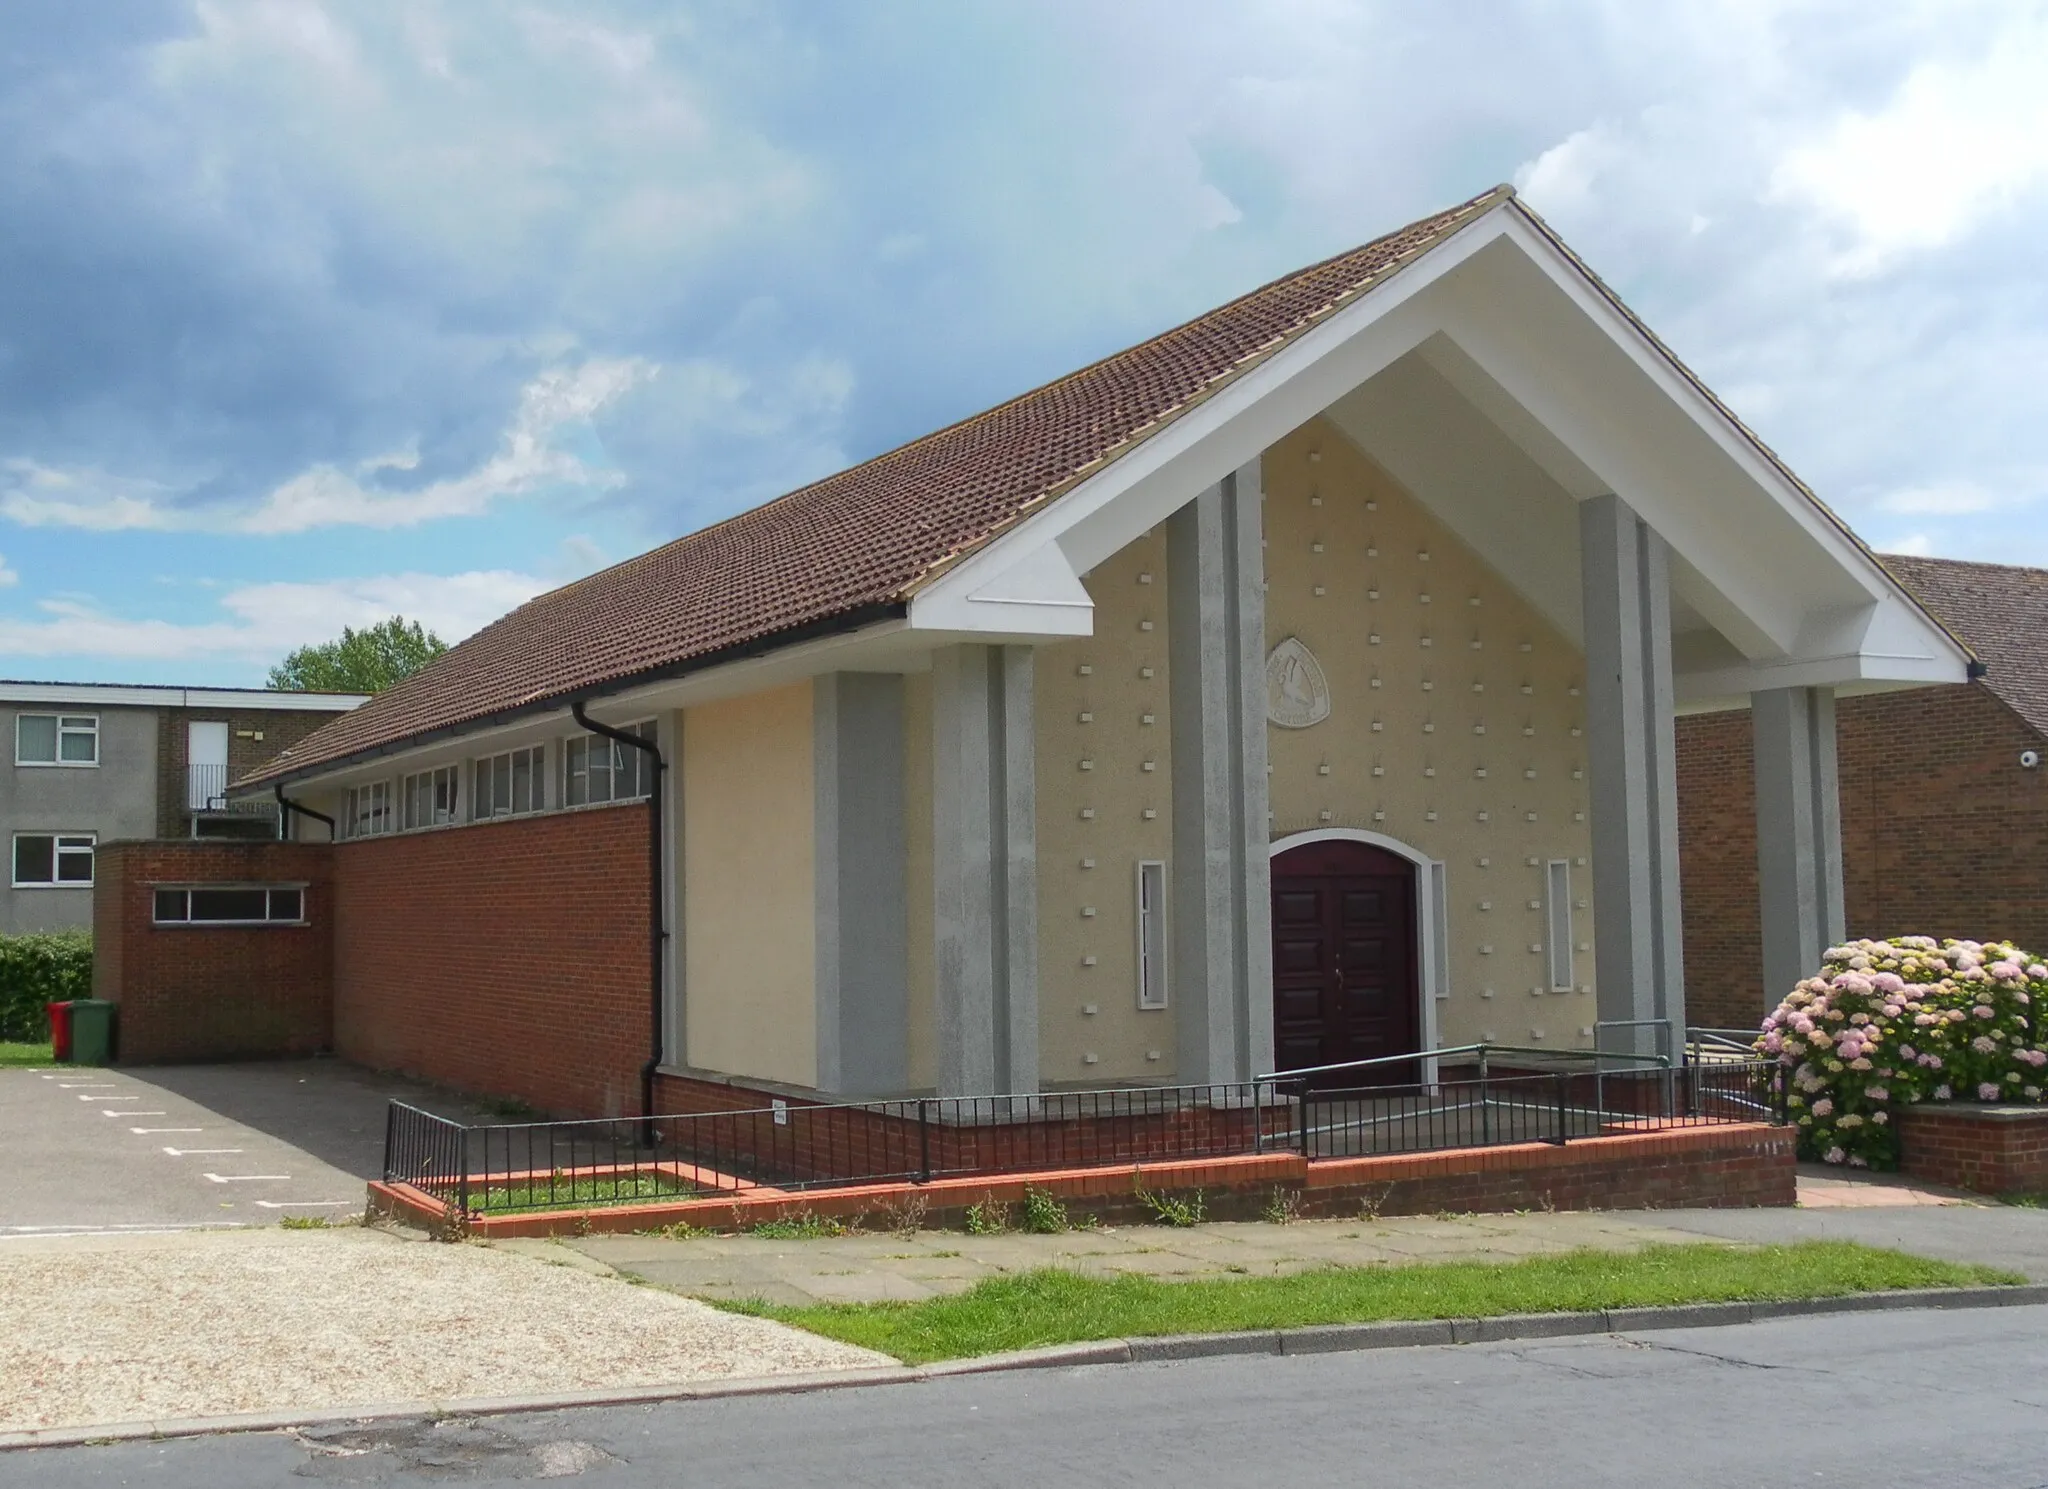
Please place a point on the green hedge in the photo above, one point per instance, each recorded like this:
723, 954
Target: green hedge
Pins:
40, 969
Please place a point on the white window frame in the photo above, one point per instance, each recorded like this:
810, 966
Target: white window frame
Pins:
72, 725
186, 922
61, 844
579, 746
483, 804
1153, 989
1557, 925
378, 816
428, 784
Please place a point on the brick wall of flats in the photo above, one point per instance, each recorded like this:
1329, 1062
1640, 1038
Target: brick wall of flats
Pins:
1990, 1149
507, 958
1943, 834
197, 992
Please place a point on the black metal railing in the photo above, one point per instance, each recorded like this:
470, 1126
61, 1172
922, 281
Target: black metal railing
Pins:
206, 790
792, 1145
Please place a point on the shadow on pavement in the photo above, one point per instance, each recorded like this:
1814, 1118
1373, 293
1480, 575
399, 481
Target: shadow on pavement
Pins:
325, 1107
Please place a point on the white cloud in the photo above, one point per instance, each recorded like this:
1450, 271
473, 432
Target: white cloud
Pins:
264, 621
528, 458
553, 407
1959, 139
1913, 545
7, 575
1562, 178
37, 495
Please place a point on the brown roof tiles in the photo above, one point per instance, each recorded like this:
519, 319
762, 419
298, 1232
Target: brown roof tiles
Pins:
2000, 611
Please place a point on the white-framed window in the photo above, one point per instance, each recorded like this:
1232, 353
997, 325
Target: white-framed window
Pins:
369, 810
510, 784
1557, 893
53, 860
57, 739
427, 798
231, 904
1151, 934
597, 769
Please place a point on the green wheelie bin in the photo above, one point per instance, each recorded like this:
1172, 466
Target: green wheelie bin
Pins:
92, 1031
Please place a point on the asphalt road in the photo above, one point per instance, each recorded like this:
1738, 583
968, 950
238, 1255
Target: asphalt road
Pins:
1955, 1399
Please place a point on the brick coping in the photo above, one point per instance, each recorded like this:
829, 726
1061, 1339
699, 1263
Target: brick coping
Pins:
1623, 1152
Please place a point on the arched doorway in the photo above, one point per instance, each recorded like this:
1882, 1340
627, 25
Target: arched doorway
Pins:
1346, 967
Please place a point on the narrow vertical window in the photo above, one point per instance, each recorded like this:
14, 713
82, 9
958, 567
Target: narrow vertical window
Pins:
1559, 895
1151, 934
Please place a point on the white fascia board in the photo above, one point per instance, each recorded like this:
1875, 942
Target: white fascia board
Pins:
1232, 428
121, 695
1038, 595
1848, 671
1734, 441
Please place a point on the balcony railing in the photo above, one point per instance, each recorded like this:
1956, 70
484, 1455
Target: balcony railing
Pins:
206, 790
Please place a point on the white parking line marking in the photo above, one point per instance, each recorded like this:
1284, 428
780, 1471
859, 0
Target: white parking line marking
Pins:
110, 1098
145, 1131
249, 1178
188, 1152
302, 1204
87, 1085
108, 1111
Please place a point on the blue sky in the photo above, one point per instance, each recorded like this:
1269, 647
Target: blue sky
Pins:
313, 312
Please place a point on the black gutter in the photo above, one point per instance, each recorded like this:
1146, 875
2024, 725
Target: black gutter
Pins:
851, 620
657, 932
286, 806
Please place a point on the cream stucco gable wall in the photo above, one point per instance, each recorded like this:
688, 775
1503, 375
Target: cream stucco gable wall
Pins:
749, 900
1105, 803
1456, 726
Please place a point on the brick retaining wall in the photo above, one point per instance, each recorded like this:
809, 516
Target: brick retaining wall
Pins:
1723, 1166
1990, 1149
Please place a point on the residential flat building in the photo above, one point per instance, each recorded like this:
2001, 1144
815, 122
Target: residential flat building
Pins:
95, 762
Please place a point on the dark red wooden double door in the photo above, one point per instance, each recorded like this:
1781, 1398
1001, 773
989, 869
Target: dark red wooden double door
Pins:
1345, 981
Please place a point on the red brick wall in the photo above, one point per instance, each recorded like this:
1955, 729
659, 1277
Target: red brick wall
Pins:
212, 993
1996, 1150
1943, 834
1740, 1164
507, 958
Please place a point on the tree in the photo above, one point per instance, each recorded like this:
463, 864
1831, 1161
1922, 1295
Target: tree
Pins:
365, 661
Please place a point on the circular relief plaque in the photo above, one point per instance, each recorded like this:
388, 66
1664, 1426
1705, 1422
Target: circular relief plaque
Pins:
1297, 693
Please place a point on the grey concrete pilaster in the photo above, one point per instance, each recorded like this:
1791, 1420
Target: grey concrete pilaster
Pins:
984, 870
1220, 972
1632, 761
861, 879
1798, 834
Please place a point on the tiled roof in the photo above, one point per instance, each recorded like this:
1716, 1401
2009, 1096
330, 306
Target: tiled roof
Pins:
858, 543
2001, 611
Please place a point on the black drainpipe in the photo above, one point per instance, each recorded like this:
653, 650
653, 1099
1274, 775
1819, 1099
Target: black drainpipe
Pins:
656, 934
287, 806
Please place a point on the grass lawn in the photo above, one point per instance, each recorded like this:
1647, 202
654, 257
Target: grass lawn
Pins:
564, 1191
25, 1054
1053, 1307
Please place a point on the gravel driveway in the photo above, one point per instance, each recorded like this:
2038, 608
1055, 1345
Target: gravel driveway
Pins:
132, 1328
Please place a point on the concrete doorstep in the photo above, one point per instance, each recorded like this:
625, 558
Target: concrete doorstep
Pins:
1317, 1339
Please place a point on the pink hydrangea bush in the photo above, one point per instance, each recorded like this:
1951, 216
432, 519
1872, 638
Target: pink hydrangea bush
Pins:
1884, 1024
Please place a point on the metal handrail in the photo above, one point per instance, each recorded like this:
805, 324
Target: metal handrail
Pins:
1482, 1050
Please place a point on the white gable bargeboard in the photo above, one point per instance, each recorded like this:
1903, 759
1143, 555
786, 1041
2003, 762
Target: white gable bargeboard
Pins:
1508, 338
